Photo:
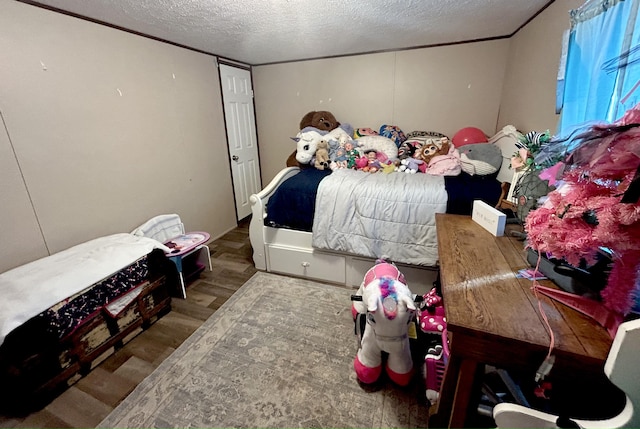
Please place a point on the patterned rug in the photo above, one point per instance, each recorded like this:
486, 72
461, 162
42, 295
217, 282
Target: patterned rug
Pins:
278, 353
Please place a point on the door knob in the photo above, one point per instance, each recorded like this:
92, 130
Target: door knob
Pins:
235, 157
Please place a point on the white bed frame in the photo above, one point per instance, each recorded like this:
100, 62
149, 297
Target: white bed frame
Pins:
290, 252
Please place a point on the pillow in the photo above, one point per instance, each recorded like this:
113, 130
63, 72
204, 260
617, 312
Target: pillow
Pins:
431, 134
379, 144
480, 158
394, 133
408, 148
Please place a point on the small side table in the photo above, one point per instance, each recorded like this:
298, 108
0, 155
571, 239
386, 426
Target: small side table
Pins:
191, 244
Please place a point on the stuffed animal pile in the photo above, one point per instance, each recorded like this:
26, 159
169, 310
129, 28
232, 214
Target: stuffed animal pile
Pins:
387, 150
318, 121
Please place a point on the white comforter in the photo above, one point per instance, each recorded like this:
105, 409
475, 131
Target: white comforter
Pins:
30, 289
380, 215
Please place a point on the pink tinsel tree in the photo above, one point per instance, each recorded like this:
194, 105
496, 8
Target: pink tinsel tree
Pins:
586, 213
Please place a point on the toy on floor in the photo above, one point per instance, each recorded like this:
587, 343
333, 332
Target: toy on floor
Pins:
432, 320
431, 317
435, 362
387, 303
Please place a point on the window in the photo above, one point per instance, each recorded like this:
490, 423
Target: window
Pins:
601, 78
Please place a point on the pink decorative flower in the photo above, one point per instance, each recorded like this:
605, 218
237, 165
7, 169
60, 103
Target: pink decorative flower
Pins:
519, 159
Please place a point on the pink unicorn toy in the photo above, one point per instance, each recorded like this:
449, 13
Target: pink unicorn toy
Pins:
388, 305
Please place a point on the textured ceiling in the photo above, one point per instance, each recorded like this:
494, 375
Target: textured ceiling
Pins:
267, 31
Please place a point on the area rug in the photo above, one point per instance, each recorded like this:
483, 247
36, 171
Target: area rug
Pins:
279, 353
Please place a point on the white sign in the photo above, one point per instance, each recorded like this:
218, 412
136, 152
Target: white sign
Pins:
489, 218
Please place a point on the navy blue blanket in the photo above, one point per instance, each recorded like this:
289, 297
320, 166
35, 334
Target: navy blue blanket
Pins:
464, 188
293, 204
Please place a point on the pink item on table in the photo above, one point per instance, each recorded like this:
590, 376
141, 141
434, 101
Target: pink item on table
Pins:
184, 243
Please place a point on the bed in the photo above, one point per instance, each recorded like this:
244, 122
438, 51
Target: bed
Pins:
63, 314
333, 226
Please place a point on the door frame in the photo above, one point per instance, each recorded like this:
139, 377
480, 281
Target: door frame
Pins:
229, 63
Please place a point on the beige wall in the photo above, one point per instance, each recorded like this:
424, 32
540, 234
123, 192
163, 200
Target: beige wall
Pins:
485, 84
529, 96
103, 130
435, 89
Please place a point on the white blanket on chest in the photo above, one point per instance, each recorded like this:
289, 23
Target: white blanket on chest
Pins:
32, 288
380, 215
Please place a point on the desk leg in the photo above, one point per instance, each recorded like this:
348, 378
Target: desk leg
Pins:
447, 394
459, 385
468, 381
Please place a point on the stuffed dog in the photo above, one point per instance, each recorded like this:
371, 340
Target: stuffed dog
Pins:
321, 120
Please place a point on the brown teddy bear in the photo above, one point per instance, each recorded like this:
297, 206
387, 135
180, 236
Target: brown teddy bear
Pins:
321, 120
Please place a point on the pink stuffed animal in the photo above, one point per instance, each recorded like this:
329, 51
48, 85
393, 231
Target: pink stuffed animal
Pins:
361, 162
432, 320
431, 317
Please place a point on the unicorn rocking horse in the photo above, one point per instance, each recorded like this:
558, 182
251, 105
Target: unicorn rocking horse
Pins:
388, 305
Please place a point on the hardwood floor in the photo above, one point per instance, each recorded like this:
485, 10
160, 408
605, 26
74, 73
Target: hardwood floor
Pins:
92, 398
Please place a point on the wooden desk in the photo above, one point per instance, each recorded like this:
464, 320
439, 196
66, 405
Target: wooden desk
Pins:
493, 318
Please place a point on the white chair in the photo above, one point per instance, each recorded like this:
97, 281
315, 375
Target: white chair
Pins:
164, 228
623, 369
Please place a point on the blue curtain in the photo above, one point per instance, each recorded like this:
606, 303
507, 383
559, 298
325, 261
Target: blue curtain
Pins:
601, 79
